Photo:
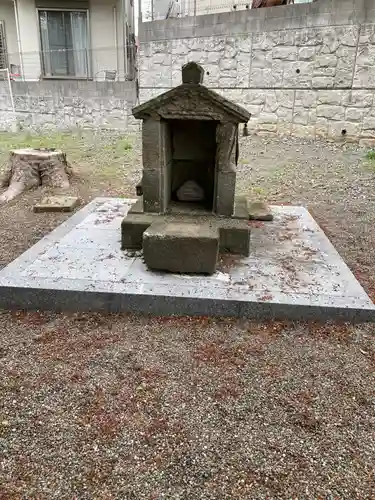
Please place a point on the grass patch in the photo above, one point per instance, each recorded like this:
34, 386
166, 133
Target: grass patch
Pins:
369, 163
124, 144
258, 192
99, 152
244, 161
103, 161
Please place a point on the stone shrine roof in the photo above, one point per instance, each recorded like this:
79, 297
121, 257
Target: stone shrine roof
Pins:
192, 100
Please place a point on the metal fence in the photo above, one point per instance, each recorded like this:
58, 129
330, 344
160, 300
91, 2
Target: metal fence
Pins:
100, 64
153, 10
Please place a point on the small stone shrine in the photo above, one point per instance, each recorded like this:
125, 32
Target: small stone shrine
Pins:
187, 213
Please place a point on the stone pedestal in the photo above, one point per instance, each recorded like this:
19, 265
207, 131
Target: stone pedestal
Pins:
181, 247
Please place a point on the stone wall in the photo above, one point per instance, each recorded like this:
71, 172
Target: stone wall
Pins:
68, 104
313, 76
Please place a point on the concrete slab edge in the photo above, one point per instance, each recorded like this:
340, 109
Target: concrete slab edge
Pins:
162, 305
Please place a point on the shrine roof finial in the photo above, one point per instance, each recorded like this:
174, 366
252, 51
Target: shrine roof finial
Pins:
192, 73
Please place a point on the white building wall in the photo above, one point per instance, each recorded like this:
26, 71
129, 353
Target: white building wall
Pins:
107, 24
7, 15
103, 37
29, 34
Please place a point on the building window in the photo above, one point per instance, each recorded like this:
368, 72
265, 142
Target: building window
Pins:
64, 41
3, 47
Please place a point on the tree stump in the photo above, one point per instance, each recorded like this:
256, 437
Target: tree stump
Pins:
30, 168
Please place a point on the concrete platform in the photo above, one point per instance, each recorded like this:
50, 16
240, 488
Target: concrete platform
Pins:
293, 272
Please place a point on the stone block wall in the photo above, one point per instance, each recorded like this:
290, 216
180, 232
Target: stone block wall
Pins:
313, 77
68, 104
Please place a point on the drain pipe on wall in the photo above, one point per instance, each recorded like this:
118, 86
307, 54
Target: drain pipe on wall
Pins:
15, 5
124, 36
14, 121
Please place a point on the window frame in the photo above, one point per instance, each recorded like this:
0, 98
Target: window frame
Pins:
88, 50
5, 56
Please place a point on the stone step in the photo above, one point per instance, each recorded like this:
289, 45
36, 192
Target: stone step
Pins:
234, 233
181, 247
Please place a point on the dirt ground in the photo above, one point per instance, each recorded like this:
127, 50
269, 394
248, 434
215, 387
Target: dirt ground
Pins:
129, 407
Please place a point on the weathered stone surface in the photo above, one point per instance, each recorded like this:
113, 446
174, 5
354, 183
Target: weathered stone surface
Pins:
181, 247
225, 195
360, 99
102, 278
186, 161
268, 118
331, 112
152, 186
235, 238
367, 142
241, 208
29, 168
234, 232
55, 105
325, 61
191, 102
305, 98
324, 72
190, 191
259, 210
304, 131
192, 73
306, 53
343, 130
323, 81
285, 53
280, 61
284, 128
333, 97
298, 74
301, 116
267, 127
152, 154
132, 228
354, 114
321, 127
57, 204
369, 123
285, 113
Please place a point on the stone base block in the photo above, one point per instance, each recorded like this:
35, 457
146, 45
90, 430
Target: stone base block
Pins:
259, 210
240, 208
181, 247
234, 234
137, 207
234, 238
252, 210
132, 228
57, 204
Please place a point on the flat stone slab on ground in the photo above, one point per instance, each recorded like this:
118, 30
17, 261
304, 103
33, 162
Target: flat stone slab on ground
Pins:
181, 247
259, 210
57, 204
293, 272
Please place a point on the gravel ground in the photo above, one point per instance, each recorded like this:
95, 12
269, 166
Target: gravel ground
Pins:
130, 407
